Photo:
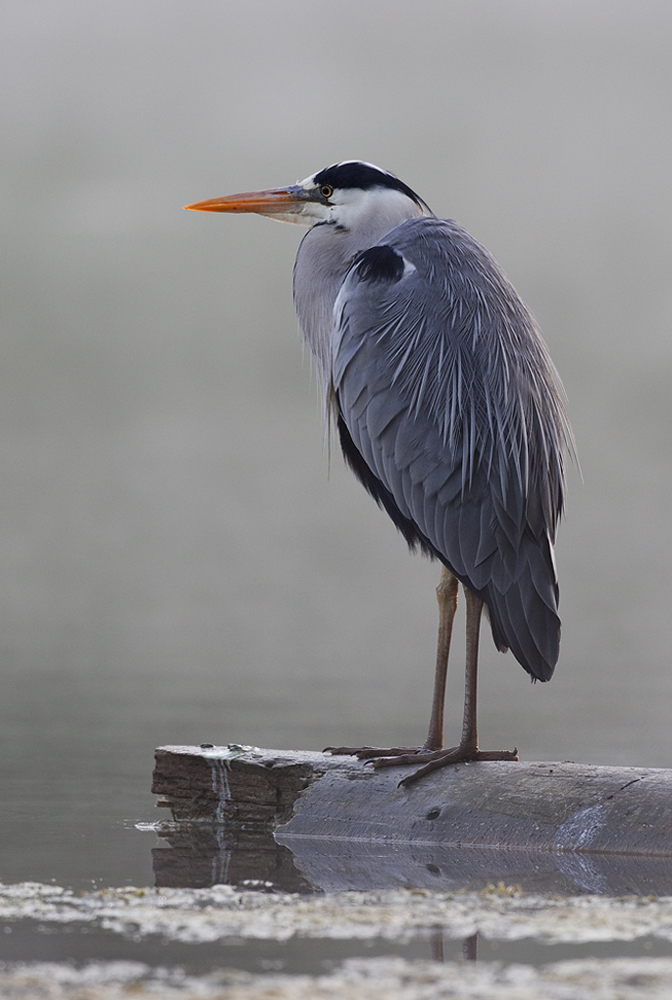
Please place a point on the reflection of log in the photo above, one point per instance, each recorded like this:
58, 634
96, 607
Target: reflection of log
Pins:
198, 856
540, 806
201, 856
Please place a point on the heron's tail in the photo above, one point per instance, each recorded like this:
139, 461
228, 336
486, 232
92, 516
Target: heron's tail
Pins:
524, 615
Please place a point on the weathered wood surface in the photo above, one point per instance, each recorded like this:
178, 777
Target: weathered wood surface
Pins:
557, 807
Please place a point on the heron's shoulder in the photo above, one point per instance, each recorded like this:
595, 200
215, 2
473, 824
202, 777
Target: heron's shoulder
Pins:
429, 236
417, 245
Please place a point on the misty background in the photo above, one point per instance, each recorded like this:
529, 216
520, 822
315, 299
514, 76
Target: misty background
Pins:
180, 561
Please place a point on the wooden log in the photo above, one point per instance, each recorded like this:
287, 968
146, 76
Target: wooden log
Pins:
557, 807
235, 787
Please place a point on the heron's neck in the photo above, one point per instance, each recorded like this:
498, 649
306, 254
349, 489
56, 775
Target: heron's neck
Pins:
324, 258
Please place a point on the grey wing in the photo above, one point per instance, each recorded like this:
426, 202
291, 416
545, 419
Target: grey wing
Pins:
450, 414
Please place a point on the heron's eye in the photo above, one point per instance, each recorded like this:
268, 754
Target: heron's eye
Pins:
326, 191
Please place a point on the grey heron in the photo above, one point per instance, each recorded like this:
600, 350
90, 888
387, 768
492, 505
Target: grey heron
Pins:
448, 408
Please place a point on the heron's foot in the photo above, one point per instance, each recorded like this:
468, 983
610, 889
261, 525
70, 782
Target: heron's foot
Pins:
433, 760
368, 753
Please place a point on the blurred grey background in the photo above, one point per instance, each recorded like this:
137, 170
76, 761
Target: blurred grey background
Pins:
179, 561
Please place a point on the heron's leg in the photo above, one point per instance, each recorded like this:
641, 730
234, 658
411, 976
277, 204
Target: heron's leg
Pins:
446, 595
469, 739
433, 748
468, 749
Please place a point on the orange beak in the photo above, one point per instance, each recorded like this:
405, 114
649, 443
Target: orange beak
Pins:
277, 201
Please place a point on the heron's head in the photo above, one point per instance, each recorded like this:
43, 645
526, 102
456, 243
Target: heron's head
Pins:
345, 194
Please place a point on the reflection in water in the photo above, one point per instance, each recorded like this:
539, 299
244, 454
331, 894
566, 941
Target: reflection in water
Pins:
199, 857
470, 948
436, 945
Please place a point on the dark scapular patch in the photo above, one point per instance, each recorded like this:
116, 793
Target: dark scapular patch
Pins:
379, 264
